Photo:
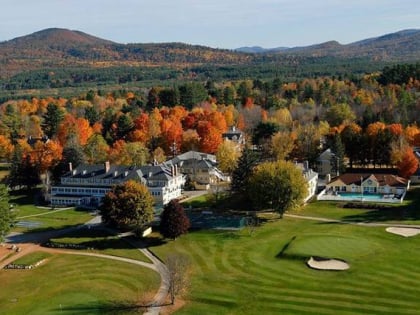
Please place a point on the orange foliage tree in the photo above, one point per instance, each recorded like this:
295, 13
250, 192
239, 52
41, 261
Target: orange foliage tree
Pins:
6, 148
408, 164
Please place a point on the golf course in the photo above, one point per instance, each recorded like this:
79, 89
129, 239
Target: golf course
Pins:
249, 271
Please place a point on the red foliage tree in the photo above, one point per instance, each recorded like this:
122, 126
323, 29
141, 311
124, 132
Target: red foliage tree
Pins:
173, 221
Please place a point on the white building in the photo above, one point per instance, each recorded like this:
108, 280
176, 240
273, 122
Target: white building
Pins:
88, 184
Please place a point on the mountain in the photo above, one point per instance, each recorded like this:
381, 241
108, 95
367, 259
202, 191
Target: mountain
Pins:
64, 49
58, 36
400, 46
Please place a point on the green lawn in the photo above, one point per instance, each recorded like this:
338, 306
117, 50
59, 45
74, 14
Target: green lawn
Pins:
68, 284
44, 218
266, 273
31, 259
101, 242
407, 213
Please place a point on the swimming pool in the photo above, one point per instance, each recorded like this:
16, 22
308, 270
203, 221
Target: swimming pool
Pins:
359, 196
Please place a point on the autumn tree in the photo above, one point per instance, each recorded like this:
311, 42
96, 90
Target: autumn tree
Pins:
128, 205
281, 145
173, 220
6, 148
6, 214
128, 153
277, 185
408, 164
227, 156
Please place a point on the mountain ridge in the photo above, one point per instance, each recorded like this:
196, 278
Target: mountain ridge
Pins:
62, 48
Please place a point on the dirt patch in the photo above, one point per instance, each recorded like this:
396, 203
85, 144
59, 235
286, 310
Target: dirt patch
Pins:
320, 263
406, 232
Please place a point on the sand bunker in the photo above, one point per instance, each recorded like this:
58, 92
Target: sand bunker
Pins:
327, 264
406, 232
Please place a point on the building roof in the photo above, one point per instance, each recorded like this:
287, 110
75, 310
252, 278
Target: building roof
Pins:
155, 172
120, 172
99, 171
382, 179
191, 155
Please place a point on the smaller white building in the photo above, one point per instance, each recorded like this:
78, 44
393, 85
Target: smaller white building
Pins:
311, 178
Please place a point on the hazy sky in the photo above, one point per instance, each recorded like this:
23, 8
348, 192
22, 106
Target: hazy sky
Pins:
215, 23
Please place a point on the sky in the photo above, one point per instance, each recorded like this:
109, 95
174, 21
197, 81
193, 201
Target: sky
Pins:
215, 23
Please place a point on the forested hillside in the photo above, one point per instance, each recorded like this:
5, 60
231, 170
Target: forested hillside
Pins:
369, 122
59, 59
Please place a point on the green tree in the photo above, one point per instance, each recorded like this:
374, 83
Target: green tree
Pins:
277, 185
95, 149
243, 170
128, 205
6, 214
192, 94
173, 221
52, 119
337, 147
169, 97
23, 173
339, 113
72, 153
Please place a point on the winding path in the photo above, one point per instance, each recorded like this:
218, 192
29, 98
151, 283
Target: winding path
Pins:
31, 242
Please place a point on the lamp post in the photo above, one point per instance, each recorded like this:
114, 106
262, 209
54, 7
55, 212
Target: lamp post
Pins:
361, 186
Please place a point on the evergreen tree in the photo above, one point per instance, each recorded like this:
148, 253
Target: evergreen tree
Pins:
243, 170
173, 221
52, 119
6, 215
22, 172
337, 163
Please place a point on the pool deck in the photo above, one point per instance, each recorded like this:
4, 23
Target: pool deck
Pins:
323, 195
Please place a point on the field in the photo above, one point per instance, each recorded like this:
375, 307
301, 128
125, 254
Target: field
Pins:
32, 218
67, 284
251, 271
265, 272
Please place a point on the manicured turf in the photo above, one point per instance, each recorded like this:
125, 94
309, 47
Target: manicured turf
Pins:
32, 258
68, 284
102, 242
43, 218
265, 272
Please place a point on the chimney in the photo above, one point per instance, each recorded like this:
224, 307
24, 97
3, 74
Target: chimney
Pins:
115, 173
176, 170
70, 167
172, 171
306, 165
107, 166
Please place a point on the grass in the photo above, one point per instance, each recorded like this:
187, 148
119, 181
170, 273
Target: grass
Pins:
69, 284
102, 242
265, 272
44, 218
406, 213
197, 202
32, 258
